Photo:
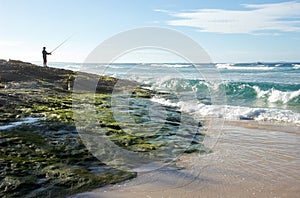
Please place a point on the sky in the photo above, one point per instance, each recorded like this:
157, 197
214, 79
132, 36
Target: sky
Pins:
229, 31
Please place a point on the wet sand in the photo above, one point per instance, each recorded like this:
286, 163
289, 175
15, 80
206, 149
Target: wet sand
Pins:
249, 159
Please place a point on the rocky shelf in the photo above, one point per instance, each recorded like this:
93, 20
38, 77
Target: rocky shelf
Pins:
42, 154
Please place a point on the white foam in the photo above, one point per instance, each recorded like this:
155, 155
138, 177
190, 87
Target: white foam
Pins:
164, 101
260, 93
285, 97
274, 95
200, 110
232, 67
224, 66
170, 65
115, 66
296, 66
28, 120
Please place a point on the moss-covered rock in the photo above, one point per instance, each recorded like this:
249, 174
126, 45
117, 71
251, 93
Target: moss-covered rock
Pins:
47, 158
56, 157
14, 186
76, 179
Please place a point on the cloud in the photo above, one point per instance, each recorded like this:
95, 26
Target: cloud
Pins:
253, 19
161, 10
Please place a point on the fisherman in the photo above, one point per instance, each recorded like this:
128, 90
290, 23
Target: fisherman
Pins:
45, 53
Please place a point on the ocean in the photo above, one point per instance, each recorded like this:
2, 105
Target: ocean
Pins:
240, 91
249, 113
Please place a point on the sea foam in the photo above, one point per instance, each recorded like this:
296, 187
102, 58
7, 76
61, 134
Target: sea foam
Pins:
274, 95
233, 67
200, 110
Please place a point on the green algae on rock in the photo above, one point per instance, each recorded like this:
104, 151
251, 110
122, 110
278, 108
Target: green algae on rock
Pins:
45, 158
48, 157
56, 157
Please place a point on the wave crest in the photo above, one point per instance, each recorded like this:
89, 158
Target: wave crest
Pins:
274, 95
200, 111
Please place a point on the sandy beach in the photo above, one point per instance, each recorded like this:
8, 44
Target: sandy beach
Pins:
150, 99
250, 159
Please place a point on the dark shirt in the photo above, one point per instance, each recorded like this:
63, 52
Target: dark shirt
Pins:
45, 53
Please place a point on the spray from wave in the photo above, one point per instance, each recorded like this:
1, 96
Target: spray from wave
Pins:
251, 101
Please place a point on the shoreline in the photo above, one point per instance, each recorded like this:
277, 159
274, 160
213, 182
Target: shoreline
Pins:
49, 157
249, 160
42, 154
21, 88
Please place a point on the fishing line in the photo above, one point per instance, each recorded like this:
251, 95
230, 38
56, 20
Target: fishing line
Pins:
62, 43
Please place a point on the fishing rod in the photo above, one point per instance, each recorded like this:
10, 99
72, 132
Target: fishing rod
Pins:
62, 43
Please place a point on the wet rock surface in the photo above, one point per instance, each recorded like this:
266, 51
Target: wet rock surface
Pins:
42, 154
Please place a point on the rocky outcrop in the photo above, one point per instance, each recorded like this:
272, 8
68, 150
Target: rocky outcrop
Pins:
42, 154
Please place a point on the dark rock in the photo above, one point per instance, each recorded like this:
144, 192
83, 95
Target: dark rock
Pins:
47, 157
2, 61
17, 186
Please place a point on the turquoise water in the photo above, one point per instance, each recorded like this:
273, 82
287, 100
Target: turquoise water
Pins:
259, 91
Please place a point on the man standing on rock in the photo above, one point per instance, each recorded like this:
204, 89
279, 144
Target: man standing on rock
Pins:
45, 53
